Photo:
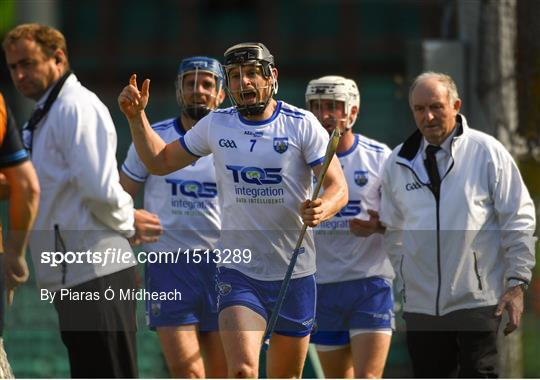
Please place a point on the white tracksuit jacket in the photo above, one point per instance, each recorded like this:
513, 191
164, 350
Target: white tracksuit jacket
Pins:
83, 208
457, 252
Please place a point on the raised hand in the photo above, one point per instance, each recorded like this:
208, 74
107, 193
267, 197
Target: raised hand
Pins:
132, 101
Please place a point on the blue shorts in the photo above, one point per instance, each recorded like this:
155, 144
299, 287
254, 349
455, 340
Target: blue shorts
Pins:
297, 313
196, 284
365, 304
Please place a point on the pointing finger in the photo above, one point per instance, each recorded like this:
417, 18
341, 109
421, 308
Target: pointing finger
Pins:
133, 80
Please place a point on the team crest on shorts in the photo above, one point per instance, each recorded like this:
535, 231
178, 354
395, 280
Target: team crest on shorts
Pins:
155, 308
361, 177
281, 144
224, 288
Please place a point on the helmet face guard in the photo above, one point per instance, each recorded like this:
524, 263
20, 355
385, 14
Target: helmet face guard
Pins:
188, 94
337, 89
250, 60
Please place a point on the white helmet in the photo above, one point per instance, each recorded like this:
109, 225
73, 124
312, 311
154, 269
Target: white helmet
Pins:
337, 88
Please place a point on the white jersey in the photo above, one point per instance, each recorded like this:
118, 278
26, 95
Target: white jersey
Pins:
342, 256
263, 173
185, 200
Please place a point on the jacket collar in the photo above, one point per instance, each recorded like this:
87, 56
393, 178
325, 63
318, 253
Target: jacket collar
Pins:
412, 145
69, 81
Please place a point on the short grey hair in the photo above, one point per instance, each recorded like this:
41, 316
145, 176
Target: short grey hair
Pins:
445, 79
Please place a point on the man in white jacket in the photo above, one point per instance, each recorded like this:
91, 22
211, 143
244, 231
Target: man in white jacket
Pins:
79, 244
460, 226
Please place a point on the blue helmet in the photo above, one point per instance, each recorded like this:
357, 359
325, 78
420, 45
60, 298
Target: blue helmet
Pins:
199, 65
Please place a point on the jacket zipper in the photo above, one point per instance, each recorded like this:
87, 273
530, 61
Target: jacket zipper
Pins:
59, 246
476, 271
437, 199
404, 289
